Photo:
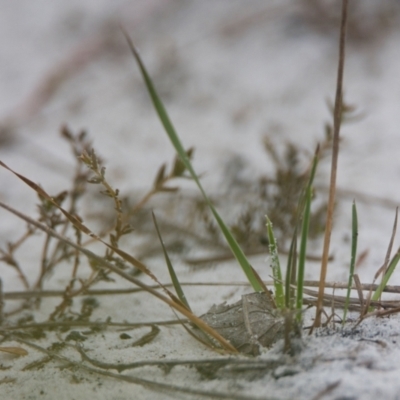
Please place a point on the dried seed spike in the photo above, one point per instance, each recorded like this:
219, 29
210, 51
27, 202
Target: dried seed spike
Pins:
93, 159
95, 180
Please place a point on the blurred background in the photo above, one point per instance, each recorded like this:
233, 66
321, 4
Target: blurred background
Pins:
235, 76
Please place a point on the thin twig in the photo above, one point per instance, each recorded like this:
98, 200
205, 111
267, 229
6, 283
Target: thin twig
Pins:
228, 257
90, 324
26, 294
153, 385
1, 302
137, 364
332, 386
339, 301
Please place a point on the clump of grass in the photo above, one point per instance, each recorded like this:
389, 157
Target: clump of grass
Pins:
303, 211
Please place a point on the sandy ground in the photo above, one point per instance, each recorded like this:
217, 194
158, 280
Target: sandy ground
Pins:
230, 73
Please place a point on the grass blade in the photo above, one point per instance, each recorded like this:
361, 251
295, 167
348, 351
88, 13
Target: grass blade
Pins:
387, 268
291, 272
174, 278
170, 130
392, 266
302, 252
354, 237
304, 234
276, 268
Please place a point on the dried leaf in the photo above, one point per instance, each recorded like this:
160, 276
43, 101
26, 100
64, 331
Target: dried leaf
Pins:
148, 337
247, 324
17, 351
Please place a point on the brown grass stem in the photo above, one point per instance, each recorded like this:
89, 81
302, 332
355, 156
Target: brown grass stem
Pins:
332, 187
26, 294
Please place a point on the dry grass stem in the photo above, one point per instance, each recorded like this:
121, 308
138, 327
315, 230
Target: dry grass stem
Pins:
335, 154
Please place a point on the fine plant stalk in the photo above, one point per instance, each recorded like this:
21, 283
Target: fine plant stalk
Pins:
171, 270
332, 187
176, 142
276, 268
354, 237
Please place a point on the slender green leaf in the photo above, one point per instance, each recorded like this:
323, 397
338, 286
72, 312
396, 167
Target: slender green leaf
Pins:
354, 237
291, 272
171, 270
302, 198
306, 201
388, 268
302, 253
392, 266
170, 130
276, 267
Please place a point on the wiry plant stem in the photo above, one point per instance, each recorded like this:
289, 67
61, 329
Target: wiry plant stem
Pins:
332, 188
104, 263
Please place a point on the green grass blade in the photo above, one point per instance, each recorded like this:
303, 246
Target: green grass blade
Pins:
392, 266
276, 268
171, 270
388, 267
166, 122
291, 272
313, 168
354, 237
306, 203
302, 197
236, 250
302, 252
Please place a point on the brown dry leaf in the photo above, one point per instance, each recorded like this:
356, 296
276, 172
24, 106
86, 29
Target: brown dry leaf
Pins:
247, 324
17, 351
